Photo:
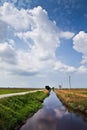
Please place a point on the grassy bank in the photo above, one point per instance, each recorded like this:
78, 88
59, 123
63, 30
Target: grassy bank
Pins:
74, 99
14, 110
14, 90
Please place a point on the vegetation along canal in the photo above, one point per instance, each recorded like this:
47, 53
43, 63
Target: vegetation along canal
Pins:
54, 116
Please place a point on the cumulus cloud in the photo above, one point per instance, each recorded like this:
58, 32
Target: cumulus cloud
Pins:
80, 45
61, 67
19, 20
7, 52
66, 35
82, 69
64, 68
3, 30
40, 35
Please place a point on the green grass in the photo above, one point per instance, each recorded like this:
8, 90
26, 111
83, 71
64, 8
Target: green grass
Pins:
14, 110
13, 90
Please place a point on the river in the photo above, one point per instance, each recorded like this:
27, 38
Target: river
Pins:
54, 116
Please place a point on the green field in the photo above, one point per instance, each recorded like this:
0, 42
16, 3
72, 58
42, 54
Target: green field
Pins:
14, 110
76, 99
14, 90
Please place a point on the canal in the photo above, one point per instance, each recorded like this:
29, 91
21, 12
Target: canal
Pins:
54, 116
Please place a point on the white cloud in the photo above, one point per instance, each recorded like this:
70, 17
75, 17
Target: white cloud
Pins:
3, 30
61, 67
19, 20
7, 52
80, 45
28, 43
34, 28
64, 68
66, 35
37, 31
82, 69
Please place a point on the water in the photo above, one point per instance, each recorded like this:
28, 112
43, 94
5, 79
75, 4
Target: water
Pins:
54, 116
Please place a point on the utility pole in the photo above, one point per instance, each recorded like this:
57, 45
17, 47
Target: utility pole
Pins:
69, 81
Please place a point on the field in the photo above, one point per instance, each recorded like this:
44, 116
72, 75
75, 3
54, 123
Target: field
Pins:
76, 99
14, 90
14, 110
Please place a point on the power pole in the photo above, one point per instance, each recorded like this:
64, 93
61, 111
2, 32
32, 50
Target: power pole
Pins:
70, 82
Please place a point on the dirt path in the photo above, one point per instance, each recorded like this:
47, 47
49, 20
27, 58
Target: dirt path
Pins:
15, 94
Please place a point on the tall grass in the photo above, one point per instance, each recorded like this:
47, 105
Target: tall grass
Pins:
73, 100
13, 110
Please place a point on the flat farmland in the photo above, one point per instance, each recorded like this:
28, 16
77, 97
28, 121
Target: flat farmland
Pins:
15, 90
76, 99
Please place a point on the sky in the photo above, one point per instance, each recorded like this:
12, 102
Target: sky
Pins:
43, 42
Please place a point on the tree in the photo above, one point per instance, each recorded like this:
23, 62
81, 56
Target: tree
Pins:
48, 88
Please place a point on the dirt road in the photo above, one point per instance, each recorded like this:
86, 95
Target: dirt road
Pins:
15, 94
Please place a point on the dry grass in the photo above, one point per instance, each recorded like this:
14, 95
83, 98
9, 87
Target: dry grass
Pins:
75, 99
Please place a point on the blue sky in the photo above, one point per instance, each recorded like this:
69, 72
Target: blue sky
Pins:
43, 42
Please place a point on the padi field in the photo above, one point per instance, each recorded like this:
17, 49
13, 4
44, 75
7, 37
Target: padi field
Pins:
76, 99
16, 109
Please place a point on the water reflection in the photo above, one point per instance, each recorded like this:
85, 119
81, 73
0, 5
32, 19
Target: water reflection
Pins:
54, 116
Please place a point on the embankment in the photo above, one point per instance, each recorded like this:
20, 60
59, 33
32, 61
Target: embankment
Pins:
14, 110
73, 100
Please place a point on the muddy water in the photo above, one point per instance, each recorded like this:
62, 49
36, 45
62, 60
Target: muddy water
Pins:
54, 116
